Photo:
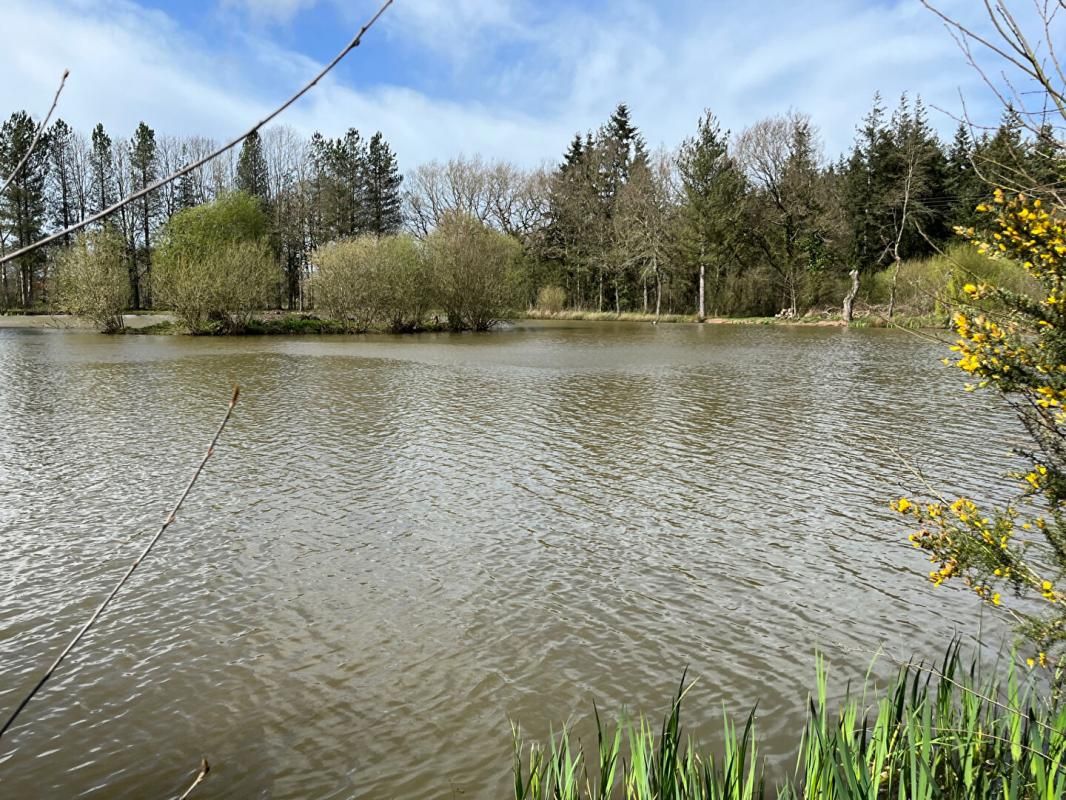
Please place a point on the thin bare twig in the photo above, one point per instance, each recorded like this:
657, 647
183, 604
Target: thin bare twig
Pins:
37, 135
204, 769
144, 554
210, 156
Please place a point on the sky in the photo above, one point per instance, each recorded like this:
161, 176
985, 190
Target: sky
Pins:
510, 79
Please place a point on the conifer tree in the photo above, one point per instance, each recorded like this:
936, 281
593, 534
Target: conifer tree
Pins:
23, 208
252, 175
101, 170
712, 185
383, 179
144, 169
61, 189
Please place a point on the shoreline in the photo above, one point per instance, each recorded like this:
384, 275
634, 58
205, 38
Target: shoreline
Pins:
165, 325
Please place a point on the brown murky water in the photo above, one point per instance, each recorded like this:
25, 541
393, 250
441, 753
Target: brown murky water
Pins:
402, 543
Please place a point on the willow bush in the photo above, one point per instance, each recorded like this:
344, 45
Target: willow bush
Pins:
474, 272
214, 267
551, 299
373, 282
93, 279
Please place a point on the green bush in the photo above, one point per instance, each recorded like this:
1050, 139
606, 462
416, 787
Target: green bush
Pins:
214, 267
93, 279
932, 286
474, 272
403, 283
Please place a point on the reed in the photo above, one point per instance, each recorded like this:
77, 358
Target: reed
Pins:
934, 732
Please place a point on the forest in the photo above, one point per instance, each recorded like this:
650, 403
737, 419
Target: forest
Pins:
756, 223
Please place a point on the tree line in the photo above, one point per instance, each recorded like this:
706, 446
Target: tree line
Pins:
313, 191
755, 223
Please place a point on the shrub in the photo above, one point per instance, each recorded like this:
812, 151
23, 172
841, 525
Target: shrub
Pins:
371, 281
1014, 344
551, 299
93, 279
214, 267
344, 282
473, 271
933, 285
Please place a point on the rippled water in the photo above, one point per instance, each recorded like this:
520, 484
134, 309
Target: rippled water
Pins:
402, 543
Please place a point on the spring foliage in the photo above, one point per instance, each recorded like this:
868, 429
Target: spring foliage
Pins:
1014, 344
92, 279
215, 267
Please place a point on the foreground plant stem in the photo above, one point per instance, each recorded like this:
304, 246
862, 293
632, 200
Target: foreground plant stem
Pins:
122, 581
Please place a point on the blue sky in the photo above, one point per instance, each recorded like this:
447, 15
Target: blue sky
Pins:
509, 79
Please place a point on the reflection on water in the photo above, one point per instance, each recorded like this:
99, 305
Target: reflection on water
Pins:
401, 543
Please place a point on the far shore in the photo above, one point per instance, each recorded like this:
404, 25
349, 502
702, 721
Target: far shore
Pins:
166, 322
67, 322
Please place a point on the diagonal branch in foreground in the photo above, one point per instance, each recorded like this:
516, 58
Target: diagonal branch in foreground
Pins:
37, 135
354, 43
122, 581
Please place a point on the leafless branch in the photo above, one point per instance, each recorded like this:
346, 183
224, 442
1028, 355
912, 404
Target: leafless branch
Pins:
210, 156
122, 581
204, 769
37, 135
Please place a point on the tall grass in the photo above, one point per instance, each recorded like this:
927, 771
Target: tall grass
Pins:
936, 732
933, 286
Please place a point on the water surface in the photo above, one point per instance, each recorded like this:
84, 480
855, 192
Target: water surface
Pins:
402, 543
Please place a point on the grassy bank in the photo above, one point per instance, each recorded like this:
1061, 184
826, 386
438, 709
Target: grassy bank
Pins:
864, 319
935, 732
271, 324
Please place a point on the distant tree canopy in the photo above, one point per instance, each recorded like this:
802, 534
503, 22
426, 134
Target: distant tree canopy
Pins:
746, 223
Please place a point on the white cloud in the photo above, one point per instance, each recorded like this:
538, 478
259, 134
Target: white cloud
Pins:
507, 79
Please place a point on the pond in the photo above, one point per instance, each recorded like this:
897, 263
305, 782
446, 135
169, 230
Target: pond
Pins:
403, 543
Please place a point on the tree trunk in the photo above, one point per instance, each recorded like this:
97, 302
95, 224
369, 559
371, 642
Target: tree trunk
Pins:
658, 292
617, 303
849, 299
702, 313
147, 252
644, 279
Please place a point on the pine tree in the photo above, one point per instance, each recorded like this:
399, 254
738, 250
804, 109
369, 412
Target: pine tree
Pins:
383, 179
102, 170
61, 189
864, 185
187, 194
963, 186
252, 175
712, 185
23, 207
143, 172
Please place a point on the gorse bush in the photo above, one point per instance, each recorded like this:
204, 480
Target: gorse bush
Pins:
1014, 344
933, 733
93, 279
215, 267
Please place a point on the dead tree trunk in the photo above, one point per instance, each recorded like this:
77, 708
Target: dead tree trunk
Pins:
849, 298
